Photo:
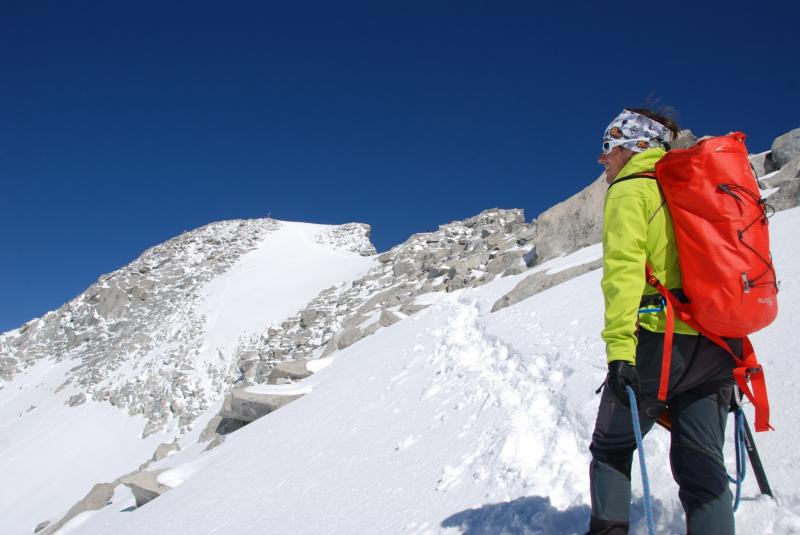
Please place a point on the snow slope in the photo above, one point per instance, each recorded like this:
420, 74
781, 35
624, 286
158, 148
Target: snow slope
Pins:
284, 273
51, 454
459, 420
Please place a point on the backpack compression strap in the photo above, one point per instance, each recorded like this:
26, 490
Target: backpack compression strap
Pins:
747, 366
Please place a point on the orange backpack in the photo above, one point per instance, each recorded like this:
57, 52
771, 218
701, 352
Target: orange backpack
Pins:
722, 232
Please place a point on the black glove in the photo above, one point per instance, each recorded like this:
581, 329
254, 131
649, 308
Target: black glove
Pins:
622, 373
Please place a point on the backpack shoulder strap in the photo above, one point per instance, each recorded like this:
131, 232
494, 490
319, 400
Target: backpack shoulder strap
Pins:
631, 177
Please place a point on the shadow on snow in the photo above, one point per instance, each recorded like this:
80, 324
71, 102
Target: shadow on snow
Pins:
531, 515
534, 515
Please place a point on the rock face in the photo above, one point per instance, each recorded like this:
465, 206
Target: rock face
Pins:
247, 406
350, 236
786, 148
762, 163
97, 498
145, 486
572, 224
164, 450
540, 281
785, 158
788, 179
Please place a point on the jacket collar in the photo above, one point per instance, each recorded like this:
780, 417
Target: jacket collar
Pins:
642, 162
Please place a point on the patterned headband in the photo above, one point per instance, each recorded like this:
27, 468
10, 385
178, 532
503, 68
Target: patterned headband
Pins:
636, 132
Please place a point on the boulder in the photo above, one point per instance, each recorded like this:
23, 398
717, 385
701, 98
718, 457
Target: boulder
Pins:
331, 346
77, 399
762, 163
457, 278
504, 261
351, 336
141, 290
164, 450
8, 368
388, 318
474, 261
788, 196
786, 148
290, 369
145, 486
515, 270
412, 308
247, 406
402, 267
525, 234
97, 498
501, 242
787, 173
307, 317
684, 140
540, 281
219, 426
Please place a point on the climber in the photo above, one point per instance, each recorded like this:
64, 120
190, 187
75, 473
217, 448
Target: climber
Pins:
637, 228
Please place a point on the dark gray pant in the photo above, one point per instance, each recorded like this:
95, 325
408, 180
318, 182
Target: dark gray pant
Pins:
701, 385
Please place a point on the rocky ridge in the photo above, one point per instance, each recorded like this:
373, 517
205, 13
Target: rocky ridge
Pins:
459, 254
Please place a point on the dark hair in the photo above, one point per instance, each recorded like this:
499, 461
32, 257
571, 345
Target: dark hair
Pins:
665, 116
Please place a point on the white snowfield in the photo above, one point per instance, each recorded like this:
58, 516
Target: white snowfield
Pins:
459, 420
51, 454
274, 281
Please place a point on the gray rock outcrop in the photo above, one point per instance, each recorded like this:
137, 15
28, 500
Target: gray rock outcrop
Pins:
540, 281
762, 163
684, 140
97, 498
164, 450
77, 399
571, 224
350, 236
786, 148
292, 370
247, 406
788, 179
145, 486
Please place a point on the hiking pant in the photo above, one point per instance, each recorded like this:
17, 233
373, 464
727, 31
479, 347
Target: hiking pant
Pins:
700, 390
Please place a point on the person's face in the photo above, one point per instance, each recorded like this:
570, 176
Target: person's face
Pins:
614, 161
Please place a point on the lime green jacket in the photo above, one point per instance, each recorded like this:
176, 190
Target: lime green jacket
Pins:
637, 229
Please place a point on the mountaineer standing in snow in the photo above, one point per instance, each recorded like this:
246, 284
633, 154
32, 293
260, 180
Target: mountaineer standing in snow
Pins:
637, 228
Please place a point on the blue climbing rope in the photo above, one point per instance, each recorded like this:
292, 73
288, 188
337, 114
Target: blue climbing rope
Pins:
741, 459
637, 432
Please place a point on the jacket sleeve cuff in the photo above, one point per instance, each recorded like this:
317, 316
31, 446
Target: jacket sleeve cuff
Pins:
616, 353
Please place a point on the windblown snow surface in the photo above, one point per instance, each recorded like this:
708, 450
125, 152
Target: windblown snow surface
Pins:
459, 420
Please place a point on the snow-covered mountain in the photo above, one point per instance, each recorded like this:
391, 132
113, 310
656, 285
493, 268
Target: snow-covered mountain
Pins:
282, 377
157, 341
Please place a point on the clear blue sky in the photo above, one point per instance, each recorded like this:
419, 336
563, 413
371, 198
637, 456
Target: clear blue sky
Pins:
126, 123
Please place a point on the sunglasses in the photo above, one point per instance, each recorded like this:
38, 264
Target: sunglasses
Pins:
608, 145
